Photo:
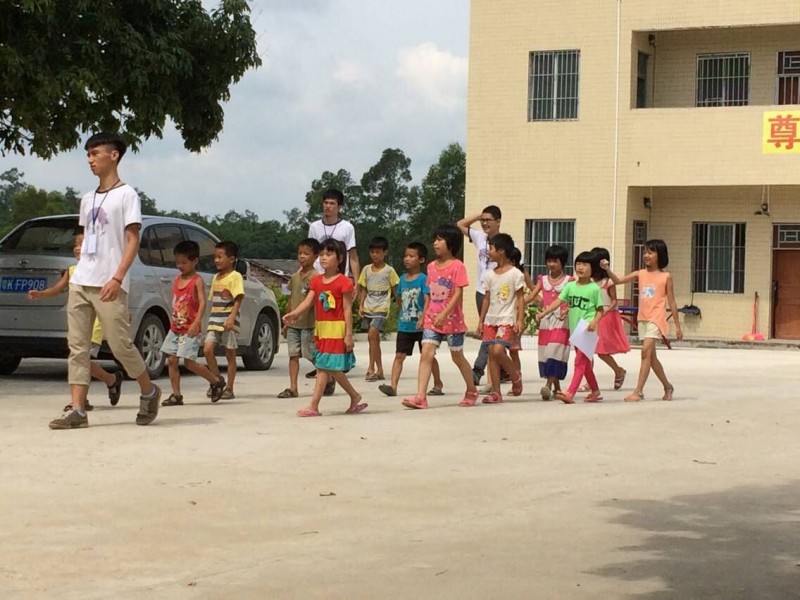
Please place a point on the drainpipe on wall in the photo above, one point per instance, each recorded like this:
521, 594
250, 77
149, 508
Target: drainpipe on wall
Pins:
616, 142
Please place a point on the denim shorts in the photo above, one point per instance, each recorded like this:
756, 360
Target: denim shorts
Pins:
300, 342
376, 321
223, 338
455, 341
181, 345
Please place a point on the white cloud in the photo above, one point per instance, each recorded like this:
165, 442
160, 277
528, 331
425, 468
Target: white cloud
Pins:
350, 73
436, 77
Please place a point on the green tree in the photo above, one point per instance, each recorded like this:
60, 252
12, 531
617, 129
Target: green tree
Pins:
33, 202
441, 194
385, 203
70, 66
11, 184
341, 180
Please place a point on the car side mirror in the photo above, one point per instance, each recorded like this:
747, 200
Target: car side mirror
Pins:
241, 267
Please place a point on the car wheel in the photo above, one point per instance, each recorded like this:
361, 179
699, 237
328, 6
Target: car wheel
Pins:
9, 364
148, 341
261, 353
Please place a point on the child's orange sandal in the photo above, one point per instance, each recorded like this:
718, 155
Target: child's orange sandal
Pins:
668, 391
634, 396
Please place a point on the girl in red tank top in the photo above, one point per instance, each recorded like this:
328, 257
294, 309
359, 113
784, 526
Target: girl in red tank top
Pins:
655, 291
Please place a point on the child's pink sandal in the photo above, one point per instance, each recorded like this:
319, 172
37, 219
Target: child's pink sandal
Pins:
469, 399
565, 397
415, 402
308, 412
516, 385
593, 397
493, 398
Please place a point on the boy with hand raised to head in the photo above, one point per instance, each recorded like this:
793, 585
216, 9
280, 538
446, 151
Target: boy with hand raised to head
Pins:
413, 298
111, 216
185, 324
226, 295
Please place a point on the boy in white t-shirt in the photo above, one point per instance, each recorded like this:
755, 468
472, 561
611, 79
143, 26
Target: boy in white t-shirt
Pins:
502, 314
489, 219
111, 218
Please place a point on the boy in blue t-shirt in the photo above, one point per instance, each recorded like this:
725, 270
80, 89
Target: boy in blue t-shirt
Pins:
412, 298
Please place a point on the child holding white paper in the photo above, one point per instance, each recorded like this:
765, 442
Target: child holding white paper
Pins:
585, 304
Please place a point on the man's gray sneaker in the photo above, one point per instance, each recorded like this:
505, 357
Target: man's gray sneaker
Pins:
148, 407
70, 420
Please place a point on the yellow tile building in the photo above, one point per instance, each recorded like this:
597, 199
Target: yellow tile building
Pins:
605, 123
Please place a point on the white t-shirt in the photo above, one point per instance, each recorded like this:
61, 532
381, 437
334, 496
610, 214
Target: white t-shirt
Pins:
481, 241
113, 212
502, 289
342, 231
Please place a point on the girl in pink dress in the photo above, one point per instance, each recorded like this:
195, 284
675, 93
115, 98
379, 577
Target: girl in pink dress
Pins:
553, 340
613, 339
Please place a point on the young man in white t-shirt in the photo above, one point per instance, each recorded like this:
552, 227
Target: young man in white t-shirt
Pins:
111, 218
489, 219
331, 225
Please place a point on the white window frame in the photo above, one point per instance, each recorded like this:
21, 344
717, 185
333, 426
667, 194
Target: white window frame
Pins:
722, 72
564, 81
536, 269
787, 60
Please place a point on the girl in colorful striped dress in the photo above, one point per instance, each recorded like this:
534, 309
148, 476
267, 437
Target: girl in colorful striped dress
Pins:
331, 293
554, 328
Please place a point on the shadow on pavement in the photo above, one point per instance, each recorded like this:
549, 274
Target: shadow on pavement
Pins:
743, 543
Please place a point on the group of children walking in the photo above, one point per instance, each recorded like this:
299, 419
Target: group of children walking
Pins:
430, 311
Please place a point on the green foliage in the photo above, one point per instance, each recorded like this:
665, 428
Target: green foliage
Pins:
72, 66
384, 203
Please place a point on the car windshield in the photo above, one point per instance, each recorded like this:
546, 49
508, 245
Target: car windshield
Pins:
51, 236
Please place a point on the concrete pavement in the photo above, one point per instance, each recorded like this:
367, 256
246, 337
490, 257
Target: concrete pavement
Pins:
696, 498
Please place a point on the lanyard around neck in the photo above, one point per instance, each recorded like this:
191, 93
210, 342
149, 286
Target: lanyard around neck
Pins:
94, 198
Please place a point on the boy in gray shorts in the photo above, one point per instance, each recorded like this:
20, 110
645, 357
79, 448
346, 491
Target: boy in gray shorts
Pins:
226, 295
300, 335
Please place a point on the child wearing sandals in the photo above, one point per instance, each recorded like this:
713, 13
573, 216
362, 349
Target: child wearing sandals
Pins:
444, 316
412, 298
112, 380
612, 337
185, 324
655, 291
300, 337
502, 314
553, 337
585, 304
331, 294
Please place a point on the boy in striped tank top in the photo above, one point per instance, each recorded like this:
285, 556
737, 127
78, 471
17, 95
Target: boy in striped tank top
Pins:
226, 295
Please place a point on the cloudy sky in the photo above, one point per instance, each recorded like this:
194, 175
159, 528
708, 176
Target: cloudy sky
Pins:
341, 81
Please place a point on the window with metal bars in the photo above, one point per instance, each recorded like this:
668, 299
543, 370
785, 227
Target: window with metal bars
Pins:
540, 234
723, 79
718, 257
789, 77
553, 78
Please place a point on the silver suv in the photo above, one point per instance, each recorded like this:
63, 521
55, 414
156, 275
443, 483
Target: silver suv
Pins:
33, 256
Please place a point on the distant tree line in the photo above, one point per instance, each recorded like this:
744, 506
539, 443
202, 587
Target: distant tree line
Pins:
384, 202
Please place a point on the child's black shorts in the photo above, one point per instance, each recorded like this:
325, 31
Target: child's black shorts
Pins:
406, 341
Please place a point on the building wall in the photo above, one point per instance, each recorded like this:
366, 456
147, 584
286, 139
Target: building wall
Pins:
566, 169
675, 210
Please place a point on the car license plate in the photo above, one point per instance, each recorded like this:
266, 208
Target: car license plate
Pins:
22, 285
